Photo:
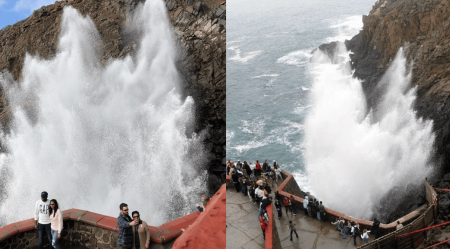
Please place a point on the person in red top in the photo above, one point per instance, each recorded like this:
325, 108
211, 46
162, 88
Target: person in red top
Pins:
287, 204
263, 225
258, 169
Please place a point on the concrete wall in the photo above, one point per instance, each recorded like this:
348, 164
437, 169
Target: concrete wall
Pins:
289, 186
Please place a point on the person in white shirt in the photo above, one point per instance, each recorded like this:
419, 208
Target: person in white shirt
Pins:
42, 219
365, 236
278, 172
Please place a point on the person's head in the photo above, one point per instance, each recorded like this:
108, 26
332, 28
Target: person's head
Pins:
274, 164
320, 202
257, 161
136, 216
205, 198
204, 203
53, 207
398, 222
365, 230
44, 196
292, 197
124, 209
276, 200
290, 221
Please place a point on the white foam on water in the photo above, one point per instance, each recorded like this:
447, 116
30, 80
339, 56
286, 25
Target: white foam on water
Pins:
95, 136
354, 158
249, 145
265, 75
296, 58
245, 57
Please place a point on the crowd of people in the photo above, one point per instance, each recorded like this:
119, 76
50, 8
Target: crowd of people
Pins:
253, 181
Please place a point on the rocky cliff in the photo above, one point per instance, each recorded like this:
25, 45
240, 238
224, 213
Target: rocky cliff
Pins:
201, 32
422, 28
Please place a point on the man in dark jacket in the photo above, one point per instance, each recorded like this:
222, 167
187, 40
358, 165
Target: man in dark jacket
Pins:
376, 228
125, 223
294, 205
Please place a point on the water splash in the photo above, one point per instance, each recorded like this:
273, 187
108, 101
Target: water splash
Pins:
95, 136
353, 156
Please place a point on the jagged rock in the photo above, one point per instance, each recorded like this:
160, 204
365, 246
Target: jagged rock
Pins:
200, 8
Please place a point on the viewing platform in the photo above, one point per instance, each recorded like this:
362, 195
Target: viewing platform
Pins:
84, 229
244, 228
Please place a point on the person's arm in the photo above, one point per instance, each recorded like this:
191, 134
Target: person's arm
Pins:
36, 215
122, 223
147, 243
60, 219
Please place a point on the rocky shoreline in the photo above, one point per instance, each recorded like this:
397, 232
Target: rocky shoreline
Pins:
200, 30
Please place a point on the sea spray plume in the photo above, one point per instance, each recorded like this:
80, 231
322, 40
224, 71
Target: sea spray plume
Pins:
353, 156
95, 136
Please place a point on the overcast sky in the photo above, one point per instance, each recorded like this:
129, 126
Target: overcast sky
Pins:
12, 11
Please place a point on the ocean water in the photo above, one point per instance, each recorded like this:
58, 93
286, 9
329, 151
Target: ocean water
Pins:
286, 104
269, 79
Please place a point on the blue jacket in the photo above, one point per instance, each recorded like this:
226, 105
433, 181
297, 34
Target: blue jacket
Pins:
125, 237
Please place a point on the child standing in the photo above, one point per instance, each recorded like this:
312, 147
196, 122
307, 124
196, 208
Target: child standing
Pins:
292, 228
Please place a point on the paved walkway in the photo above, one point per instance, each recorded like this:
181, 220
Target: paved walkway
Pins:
243, 229
244, 232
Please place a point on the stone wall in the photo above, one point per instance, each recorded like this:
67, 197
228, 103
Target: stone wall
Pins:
90, 230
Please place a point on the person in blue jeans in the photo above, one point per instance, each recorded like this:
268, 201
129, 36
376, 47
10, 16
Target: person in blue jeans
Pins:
292, 228
42, 219
340, 225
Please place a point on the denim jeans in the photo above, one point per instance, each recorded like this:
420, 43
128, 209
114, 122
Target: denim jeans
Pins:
55, 240
293, 230
41, 228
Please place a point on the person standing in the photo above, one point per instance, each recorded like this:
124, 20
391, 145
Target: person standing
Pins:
278, 172
125, 224
292, 228
142, 230
56, 220
278, 207
376, 228
365, 236
287, 205
305, 205
257, 169
322, 214
355, 232
42, 219
263, 223
293, 205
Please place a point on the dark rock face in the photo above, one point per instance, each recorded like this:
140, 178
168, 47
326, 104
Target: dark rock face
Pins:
201, 33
